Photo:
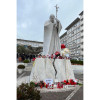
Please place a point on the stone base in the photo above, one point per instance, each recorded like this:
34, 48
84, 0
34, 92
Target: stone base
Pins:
43, 69
69, 88
44, 89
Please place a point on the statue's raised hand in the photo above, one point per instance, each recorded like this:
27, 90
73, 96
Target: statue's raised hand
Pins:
57, 20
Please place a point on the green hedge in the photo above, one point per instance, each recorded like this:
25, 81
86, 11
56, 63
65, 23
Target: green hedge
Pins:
26, 61
20, 66
77, 62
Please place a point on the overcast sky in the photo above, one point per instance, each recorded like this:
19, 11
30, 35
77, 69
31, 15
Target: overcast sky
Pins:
32, 14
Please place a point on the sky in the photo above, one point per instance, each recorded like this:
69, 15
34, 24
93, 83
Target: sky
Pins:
32, 14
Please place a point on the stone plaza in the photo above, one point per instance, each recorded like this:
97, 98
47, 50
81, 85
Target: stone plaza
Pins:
69, 93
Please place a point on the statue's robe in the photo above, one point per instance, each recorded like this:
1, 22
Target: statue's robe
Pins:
51, 38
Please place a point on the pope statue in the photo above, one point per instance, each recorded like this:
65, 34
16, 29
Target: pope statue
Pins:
59, 69
52, 28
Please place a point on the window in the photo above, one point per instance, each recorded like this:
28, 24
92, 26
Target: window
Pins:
82, 31
75, 36
78, 40
68, 31
72, 28
75, 25
78, 23
69, 39
70, 35
78, 46
72, 38
22, 43
78, 35
75, 31
82, 25
82, 19
78, 29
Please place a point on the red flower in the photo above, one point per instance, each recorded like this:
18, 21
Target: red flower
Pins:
57, 53
75, 83
52, 56
52, 86
64, 81
62, 86
68, 83
60, 57
71, 82
41, 86
57, 85
33, 59
46, 86
39, 56
63, 46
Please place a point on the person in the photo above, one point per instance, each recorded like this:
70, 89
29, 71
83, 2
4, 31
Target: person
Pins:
23, 57
30, 57
52, 28
33, 56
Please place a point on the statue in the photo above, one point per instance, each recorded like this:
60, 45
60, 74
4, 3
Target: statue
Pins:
51, 68
52, 28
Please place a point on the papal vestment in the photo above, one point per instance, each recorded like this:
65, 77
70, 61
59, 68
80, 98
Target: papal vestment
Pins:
51, 38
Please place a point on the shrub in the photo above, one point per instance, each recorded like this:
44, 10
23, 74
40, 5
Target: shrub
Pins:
26, 61
35, 84
27, 92
21, 66
77, 62
39, 84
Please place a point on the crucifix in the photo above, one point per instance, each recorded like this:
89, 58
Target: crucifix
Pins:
56, 10
56, 16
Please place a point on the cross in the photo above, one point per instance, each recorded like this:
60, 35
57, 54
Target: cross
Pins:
56, 10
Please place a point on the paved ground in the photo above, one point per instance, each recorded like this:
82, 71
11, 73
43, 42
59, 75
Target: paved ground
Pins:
64, 95
55, 96
79, 76
78, 95
28, 70
25, 73
68, 95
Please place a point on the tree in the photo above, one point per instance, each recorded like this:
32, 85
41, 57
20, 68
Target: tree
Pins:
21, 49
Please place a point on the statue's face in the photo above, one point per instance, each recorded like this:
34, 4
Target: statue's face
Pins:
52, 18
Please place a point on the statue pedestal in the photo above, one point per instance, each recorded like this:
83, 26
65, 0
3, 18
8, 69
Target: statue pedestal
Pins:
43, 69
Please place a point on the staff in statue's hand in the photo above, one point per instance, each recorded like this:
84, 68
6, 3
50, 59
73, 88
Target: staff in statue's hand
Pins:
57, 22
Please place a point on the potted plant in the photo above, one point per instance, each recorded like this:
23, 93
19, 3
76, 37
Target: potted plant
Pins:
26, 61
20, 68
27, 92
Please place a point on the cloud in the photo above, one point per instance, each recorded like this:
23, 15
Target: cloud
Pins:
32, 14
23, 25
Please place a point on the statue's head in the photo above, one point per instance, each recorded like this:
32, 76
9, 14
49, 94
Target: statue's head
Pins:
52, 18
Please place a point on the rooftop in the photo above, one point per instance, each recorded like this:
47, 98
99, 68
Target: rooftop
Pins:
74, 22
81, 13
63, 35
29, 41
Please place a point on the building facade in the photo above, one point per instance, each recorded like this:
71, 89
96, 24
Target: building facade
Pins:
73, 38
29, 43
37, 46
